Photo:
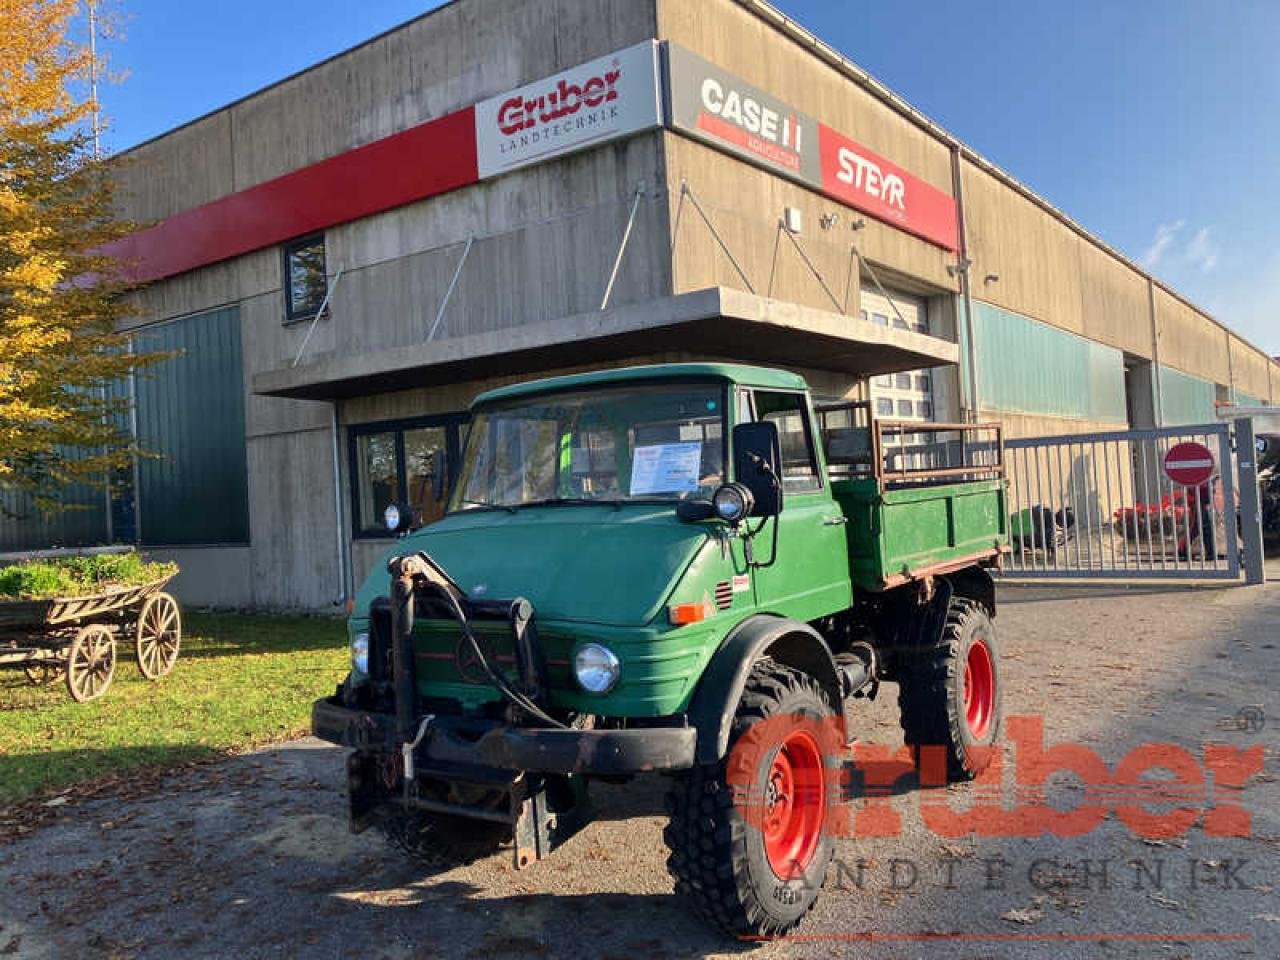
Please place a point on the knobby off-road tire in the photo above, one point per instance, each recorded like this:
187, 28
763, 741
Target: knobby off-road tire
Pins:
442, 840
951, 697
748, 838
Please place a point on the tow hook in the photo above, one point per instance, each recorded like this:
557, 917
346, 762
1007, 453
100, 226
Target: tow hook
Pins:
407, 748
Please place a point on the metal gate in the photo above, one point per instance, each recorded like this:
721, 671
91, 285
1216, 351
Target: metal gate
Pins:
1100, 505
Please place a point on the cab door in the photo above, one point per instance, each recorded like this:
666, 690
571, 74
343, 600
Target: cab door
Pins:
808, 575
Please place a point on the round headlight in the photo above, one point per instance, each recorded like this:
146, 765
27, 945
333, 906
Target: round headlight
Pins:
391, 517
596, 668
732, 502
360, 653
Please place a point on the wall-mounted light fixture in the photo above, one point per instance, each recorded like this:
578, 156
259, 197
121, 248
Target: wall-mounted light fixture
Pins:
828, 220
991, 278
858, 224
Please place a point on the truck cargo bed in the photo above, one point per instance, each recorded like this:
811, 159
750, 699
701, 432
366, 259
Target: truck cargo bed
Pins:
895, 534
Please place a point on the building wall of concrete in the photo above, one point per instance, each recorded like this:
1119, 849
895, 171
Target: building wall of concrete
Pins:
766, 255
1250, 370
1035, 258
443, 61
209, 576
1189, 342
1114, 304
545, 241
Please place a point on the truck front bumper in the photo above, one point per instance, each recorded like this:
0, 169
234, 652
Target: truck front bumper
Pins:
450, 740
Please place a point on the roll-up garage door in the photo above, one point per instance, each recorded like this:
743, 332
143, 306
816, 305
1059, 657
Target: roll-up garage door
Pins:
900, 396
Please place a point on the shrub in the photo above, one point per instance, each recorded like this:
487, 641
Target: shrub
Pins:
78, 576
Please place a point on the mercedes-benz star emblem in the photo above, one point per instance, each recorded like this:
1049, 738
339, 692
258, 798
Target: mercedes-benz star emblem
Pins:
469, 666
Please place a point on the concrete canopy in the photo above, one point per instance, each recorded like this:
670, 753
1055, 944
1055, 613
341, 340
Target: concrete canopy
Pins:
717, 322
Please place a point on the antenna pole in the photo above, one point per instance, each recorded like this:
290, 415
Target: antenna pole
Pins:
93, 76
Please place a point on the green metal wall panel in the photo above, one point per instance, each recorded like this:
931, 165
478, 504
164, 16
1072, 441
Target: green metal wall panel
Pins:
1242, 399
81, 522
1029, 367
191, 413
1185, 399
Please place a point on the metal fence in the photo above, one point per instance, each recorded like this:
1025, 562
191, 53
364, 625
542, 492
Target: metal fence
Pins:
1101, 505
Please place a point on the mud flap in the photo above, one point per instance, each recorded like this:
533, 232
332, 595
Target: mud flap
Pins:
362, 790
547, 811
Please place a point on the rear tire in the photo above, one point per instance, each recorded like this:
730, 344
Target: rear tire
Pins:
748, 836
951, 696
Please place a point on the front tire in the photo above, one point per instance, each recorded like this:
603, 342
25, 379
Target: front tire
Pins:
748, 836
951, 696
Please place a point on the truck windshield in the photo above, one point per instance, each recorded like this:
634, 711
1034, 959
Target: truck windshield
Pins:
611, 444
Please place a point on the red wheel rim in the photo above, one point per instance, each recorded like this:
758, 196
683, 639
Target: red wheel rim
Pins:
795, 805
979, 688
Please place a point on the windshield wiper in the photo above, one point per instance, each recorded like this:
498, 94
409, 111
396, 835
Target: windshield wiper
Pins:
487, 505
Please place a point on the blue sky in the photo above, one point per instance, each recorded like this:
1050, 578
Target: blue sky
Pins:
1154, 124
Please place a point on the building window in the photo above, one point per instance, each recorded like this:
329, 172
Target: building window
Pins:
404, 461
787, 410
305, 281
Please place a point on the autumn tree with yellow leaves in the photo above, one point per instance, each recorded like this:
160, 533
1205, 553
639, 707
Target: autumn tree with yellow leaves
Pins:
61, 359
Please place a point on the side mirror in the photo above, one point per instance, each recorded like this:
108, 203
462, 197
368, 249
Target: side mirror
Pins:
757, 465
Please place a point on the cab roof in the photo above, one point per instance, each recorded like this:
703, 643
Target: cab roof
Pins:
739, 373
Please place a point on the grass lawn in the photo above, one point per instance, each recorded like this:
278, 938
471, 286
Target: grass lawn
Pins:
240, 681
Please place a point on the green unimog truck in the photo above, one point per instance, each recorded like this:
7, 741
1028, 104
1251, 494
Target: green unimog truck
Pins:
686, 570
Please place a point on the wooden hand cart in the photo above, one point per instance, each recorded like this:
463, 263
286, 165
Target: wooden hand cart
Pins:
74, 638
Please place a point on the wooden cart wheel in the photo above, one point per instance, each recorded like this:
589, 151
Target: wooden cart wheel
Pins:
158, 635
91, 662
41, 673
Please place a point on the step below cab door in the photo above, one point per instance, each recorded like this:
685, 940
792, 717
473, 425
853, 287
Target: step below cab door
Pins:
807, 575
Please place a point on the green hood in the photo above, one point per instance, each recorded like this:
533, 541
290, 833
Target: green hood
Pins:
591, 564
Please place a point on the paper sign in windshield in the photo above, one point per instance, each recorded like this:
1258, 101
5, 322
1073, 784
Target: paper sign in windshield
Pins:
666, 468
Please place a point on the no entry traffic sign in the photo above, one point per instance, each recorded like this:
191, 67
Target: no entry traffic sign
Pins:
1189, 463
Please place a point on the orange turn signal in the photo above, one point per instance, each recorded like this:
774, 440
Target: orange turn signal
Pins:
683, 613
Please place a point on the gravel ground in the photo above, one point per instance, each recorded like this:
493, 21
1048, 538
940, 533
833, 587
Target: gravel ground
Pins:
251, 858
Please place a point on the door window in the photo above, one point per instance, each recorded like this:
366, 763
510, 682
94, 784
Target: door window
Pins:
426, 452
788, 412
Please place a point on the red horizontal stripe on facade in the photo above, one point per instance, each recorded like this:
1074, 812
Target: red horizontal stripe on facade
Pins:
423, 161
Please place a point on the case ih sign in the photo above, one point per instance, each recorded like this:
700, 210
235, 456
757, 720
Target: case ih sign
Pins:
716, 107
614, 96
719, 109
